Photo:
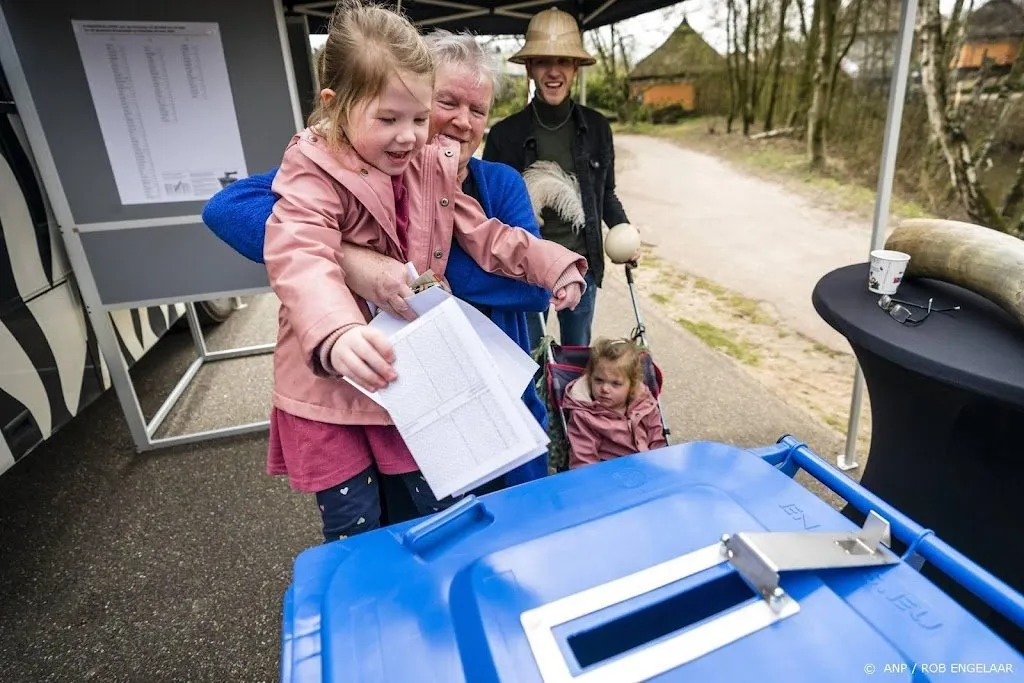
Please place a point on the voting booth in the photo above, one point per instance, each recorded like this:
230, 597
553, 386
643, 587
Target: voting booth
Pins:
137, 114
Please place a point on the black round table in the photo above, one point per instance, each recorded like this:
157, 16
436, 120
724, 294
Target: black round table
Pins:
947, 412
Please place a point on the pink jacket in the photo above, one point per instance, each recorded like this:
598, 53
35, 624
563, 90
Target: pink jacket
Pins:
327, 197
597, 433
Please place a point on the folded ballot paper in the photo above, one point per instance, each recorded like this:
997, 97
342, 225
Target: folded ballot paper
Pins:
457, 400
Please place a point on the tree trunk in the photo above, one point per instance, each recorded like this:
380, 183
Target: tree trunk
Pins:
946, 124
837, 62
730, 62
1013, 200
798, 119
776, 65
754, 54
745, 91
817, 117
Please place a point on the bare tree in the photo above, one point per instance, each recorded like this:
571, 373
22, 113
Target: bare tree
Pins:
812, 39
851, 26
817, 116
947, 117
737, 85
759, 19
745, 91
776, 61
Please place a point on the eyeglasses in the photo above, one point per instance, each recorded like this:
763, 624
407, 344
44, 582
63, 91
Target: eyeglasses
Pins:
899, 312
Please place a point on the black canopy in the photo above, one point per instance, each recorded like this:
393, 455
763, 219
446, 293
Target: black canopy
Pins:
489, 17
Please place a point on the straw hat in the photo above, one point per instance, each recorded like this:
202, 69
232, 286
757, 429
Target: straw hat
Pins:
553, 33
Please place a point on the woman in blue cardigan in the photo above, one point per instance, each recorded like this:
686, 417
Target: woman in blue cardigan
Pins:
463, 92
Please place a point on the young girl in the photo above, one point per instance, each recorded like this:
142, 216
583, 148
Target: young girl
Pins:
363, 173
611, 411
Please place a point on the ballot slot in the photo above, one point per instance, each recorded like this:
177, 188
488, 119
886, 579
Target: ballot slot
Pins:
638, 626
649, 618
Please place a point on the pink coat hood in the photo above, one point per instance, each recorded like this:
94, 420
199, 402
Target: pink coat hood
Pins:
597, 433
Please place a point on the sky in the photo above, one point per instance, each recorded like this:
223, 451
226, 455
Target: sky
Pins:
648, 31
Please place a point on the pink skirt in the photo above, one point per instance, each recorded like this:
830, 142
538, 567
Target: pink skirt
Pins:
318, 455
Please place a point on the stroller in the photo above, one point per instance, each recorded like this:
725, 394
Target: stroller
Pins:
562, 364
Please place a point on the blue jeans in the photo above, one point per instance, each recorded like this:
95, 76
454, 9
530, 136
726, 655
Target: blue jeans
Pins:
574, 325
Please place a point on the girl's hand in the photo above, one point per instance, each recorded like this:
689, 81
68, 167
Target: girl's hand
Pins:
567, 297
364, 355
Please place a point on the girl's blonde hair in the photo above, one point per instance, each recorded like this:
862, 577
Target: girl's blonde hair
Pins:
365, 45
623, 355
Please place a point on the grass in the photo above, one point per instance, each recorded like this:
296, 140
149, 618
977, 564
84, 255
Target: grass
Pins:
739, 306
709, 286
747, 309
837, 423
818, 347
662, 299
719, 339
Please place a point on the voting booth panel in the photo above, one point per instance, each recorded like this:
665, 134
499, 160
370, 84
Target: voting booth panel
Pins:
138, 114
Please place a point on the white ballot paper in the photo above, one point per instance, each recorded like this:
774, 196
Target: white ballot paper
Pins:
457, 400
163, 99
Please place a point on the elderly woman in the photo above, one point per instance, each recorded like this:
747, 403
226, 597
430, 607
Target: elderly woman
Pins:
463, 92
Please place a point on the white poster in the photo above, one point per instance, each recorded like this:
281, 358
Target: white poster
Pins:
162, 95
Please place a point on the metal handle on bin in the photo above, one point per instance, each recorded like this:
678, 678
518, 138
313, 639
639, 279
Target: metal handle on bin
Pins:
416, 538
983, 584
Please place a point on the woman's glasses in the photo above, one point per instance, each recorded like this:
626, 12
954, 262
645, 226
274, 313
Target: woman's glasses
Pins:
898, 310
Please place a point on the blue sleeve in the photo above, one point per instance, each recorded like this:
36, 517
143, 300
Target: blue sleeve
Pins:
471, 282
238, 214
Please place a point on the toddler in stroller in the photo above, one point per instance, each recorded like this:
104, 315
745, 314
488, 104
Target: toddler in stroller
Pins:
564, 365
611, 411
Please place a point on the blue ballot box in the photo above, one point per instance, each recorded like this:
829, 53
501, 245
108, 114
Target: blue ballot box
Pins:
698, 562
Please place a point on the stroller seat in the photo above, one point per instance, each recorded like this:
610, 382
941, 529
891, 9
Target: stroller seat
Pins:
563, 364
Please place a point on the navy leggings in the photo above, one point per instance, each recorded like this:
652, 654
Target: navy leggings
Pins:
357, 505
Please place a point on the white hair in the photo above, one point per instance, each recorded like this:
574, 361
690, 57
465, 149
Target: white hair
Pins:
462, 50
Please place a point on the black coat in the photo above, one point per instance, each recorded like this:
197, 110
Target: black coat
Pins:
511, 141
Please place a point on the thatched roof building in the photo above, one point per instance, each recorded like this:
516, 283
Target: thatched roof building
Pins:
684, 53
993, 37
995, 20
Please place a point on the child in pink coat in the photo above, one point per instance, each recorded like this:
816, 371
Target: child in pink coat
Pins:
365, 173
611, 411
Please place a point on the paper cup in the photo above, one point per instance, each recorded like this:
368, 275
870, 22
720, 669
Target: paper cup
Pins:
887, 269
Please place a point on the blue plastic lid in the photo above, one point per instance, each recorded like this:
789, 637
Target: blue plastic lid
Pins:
445, 601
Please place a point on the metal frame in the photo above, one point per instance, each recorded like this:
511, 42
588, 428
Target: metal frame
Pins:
847, 460
460, 10
6, 456
205, 356
98, 312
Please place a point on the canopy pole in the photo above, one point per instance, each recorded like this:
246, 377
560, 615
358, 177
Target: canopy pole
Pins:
890, 146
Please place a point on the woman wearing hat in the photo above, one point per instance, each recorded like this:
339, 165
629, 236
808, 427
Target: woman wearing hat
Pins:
566, 154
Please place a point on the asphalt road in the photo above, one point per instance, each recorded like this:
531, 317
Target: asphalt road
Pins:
170, 566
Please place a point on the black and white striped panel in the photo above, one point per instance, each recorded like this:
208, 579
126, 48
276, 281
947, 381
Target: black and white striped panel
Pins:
51, 365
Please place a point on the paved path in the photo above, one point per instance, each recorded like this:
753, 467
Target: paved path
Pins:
746, 234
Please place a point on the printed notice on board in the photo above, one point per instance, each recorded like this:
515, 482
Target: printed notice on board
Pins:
164, 104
